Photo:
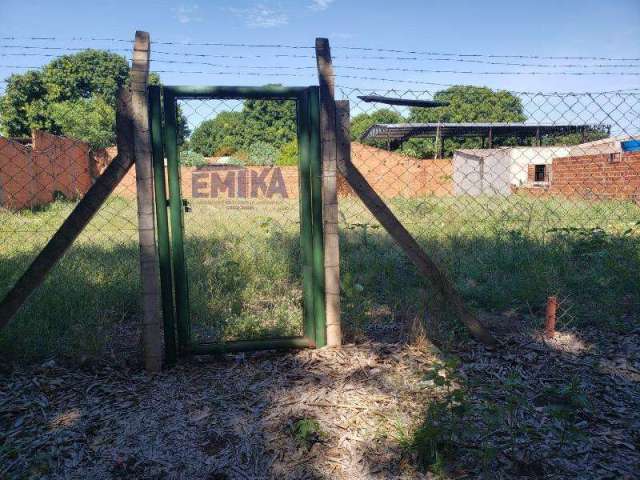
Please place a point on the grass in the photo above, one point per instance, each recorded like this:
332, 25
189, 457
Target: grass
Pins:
505, 254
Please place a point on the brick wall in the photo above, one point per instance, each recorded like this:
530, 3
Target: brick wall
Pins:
599, 176
33, 175
16, 175
393, 175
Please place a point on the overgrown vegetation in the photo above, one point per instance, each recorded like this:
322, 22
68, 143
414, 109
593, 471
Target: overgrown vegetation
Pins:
261, 133
505, 257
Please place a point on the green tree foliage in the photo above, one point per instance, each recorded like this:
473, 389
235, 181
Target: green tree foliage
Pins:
466, 104
89, 119
222, 134
364, 121
262, 153
269, 121
20, 105
85, 74
288, 154
259, 122
74, 95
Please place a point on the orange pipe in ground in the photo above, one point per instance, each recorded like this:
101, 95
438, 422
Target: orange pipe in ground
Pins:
550, 323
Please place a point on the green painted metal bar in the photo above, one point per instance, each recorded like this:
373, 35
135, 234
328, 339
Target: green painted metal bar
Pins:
270, 92
306, 238
315, 174
162, 222
177, 230
250, 345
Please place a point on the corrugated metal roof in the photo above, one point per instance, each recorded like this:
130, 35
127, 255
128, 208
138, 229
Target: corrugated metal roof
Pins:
404, 131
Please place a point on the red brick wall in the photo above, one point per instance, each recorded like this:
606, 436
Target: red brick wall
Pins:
31, 176
16, 175
392, 174
601, 176
597, 175
63, 165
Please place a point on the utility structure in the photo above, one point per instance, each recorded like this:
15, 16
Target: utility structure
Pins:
395, 134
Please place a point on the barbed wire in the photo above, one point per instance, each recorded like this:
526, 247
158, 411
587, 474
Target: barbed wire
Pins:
485, 55
361, 68
357, 77
337, 47
472, 72
208, 55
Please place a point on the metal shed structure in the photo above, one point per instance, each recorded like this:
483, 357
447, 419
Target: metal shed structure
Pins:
396, 133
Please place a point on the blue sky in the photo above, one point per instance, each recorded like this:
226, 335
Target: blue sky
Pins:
542, 28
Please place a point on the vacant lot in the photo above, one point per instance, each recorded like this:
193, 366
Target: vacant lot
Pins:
390, 405
505, 254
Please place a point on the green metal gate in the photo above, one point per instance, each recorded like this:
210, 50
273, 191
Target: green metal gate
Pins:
176, 277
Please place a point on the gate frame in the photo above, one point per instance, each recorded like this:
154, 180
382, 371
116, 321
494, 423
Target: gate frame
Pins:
173, 272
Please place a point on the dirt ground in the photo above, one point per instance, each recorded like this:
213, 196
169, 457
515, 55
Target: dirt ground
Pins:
238, 416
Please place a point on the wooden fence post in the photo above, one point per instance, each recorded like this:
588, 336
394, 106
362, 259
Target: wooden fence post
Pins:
151, 324
401, 235
329, 192
79, 217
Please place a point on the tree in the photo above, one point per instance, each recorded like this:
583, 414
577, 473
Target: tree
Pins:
222, 132
73, 95
362, 122
268, 121
17, 106
85, 74
466, 104
91, 120
260, 122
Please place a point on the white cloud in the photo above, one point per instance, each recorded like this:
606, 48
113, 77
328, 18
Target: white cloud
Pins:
261, 16
188, 13
319, 5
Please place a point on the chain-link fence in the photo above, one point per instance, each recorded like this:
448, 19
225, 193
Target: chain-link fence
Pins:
240, 188
89, 302
519, 196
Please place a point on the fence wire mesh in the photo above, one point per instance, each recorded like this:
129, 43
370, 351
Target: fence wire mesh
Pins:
88, 302
242, 218
512, 216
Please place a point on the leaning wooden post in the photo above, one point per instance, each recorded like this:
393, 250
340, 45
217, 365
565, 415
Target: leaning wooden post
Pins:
79, 217
329, 192
425, 265
151, 327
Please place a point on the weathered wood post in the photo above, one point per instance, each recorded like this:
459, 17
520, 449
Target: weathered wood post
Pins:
151, 325
79, 217
329, 191
424, 264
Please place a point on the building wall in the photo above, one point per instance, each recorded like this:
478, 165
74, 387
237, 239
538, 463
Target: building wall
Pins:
16, 175
395, 175
33, 175
597, 176
390, 174
522, 157
482, 172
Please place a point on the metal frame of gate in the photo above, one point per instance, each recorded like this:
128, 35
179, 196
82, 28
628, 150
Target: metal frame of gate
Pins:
170, 225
